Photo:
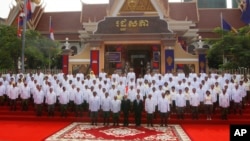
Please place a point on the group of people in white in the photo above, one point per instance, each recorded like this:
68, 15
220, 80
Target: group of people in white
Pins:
160, 94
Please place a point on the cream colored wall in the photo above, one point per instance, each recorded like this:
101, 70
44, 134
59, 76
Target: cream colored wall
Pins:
83, 55
101, 58
179, 53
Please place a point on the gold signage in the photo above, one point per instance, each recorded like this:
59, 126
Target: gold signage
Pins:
124, 24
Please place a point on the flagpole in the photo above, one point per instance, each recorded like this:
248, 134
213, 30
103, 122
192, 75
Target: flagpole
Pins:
221, 20
18, 26
23, 33
50, 20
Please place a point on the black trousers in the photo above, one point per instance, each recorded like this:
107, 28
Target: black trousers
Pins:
150, 118
137, 118
164, 119
125, 118
106, 115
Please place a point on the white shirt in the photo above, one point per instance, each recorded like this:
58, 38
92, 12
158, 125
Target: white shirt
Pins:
208, 99
78, 97
64, 97
38, 96
149, 106
224, 100
2, 90
25, 92
194, 99
51, 98
94, 103
115, 106
14, 92
106, 103
163, 105
180, 100
237, 95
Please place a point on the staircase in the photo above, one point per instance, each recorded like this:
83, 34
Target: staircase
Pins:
30, 115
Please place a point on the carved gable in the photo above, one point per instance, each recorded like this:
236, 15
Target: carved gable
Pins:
137, 6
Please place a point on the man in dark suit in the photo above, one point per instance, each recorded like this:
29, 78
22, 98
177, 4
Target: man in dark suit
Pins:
137, 107
125, 109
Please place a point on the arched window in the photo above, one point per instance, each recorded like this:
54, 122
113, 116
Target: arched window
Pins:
206, 46
74, 48
191, 49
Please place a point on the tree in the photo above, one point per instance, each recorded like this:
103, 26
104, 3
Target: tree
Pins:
235, 46
39, 50
10, 47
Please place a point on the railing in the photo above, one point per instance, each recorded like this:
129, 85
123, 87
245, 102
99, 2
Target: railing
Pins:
241, 70
52, 71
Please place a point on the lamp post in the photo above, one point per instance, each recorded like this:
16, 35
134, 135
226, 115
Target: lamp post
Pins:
201, 52
200, 42
65, 53
66, 43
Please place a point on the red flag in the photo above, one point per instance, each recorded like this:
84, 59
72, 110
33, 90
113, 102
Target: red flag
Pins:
19, 25
29, 12
51, 30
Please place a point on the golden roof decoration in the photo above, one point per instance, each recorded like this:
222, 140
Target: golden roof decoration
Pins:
137, 6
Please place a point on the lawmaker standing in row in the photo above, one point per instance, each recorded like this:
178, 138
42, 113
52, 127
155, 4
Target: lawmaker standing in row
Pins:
164, 109
51, 101
224, 104
125, 107
194, 102
94, 107
106, 108
116, 108
150, 109
138, 108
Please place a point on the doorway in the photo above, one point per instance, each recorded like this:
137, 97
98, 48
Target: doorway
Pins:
136, 56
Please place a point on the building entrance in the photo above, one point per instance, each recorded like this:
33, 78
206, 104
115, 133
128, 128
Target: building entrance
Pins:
140, 57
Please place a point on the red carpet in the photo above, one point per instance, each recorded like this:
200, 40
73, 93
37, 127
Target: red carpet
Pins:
39, 131
207, 132
22, 126
28, 130
82, 131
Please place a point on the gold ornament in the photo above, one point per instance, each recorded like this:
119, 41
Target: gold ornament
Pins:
132, 4
36, 1
169, 60
202, 65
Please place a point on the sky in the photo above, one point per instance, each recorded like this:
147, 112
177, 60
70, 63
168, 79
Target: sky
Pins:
54, 5
51, 5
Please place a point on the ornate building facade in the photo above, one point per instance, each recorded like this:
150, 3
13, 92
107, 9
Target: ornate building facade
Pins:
140, 34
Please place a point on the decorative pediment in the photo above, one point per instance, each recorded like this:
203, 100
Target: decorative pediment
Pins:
138, 6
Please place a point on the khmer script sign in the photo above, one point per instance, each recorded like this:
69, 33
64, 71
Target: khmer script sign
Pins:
114, 56
132, 25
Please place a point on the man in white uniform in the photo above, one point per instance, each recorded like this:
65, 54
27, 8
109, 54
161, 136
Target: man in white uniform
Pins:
94, 106
106, 107
51, 101
150, 109
115, 108
164, 109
